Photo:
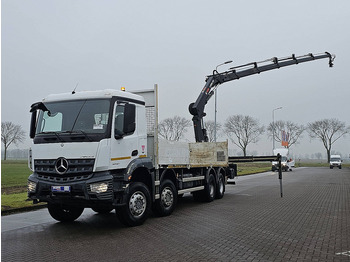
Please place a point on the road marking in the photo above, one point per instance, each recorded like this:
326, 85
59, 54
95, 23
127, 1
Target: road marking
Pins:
346, 253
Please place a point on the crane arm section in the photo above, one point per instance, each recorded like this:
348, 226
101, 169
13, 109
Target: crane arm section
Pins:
216, 79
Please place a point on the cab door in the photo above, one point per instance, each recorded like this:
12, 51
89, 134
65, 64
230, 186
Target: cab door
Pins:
124, 135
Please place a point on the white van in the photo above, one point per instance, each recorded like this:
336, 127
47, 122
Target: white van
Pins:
335, 161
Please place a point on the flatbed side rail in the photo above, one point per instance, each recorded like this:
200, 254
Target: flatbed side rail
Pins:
242, 159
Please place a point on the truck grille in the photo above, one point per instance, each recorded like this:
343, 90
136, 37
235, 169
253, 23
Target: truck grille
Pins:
77, 169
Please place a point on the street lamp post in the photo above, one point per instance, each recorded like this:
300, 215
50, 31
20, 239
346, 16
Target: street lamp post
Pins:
216, 69
273, 127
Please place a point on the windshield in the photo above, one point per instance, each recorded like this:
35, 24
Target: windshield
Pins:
81, 116
335, 159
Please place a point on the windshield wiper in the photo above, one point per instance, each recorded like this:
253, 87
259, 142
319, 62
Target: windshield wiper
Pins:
84, 133
52, 132
75, 121
78, 132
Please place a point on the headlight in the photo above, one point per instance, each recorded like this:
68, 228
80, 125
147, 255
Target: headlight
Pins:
31, 187
99, 187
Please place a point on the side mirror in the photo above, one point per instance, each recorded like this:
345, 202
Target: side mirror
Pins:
32, 125
129, 119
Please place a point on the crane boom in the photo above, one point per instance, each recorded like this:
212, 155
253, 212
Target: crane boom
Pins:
214, 80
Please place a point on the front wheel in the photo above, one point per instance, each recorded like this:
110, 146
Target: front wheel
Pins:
64, 213
137, 207
166, 203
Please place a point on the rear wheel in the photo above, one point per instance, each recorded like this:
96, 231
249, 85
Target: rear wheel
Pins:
210, 189
64, 213
137, 207
165, 205
220, 189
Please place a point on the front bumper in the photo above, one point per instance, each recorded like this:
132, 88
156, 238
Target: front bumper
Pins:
275, 167
80, 190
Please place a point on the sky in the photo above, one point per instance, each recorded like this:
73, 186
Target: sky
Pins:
50, 46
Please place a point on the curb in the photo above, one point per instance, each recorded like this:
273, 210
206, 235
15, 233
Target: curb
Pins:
21, 210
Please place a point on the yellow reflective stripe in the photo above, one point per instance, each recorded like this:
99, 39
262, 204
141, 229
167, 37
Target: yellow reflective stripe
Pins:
120, 158
125, 157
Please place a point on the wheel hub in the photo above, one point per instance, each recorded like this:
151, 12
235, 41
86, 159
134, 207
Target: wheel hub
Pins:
167, 197
137, 204
211, 188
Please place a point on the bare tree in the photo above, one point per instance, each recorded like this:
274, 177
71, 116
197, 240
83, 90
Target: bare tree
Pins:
243, 130
328, 131
210, 127
294, 130
318, 155
11, 133
173, 128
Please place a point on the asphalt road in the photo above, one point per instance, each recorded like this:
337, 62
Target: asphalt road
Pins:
251, 223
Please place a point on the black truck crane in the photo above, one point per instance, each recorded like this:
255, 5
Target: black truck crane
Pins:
237, 72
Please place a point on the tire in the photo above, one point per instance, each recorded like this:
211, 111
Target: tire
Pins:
166, 204
64, 213
220, 187
102, 210
210, 189
137, 207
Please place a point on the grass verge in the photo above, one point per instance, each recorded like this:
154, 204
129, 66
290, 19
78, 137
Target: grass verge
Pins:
252, 168
16, 200
14, 175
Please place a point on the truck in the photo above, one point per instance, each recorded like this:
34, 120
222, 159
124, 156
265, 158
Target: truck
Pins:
101, 150
287, 163
335, 161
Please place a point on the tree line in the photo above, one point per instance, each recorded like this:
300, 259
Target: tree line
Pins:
244, 130
241, 130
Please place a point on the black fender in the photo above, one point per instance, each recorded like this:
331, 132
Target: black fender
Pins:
144, 162
209, 171
141, 170
168, 174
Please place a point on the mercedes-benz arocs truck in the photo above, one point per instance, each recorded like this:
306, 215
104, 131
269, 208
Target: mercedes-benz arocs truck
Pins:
100, 150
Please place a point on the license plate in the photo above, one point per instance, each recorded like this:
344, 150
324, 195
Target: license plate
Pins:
60, 189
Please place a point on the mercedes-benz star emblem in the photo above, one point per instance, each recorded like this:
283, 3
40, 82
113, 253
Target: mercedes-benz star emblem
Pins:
61, 165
